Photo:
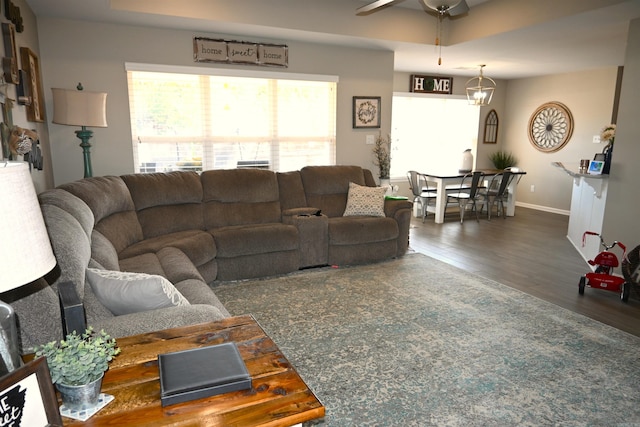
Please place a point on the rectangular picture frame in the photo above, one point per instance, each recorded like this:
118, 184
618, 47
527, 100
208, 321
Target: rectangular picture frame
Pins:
595, 167
31, 65
366, 112
28, 393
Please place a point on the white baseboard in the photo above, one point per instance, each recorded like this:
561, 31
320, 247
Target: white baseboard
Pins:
543, 208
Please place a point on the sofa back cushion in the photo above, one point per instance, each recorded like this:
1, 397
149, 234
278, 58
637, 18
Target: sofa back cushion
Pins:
291, 190
326, 187
109, 200
239, 197
69, 224
166, 202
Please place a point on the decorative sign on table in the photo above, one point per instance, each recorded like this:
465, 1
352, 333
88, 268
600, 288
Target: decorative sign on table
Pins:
431, 84
239, 52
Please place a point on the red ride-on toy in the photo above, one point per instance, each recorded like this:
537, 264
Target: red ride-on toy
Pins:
603, 277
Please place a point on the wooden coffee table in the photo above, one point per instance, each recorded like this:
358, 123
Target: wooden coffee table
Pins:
279, 397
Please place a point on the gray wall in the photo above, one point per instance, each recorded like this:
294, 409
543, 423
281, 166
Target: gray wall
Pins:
95, 54
589, 95
623, 206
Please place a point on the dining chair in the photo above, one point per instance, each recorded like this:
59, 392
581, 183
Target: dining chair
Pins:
422, 194
497, 193
468, 193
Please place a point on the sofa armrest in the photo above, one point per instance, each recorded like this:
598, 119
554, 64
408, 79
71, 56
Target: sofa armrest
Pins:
391, 206
71, 309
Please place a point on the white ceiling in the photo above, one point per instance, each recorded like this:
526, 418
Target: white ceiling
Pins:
550, 37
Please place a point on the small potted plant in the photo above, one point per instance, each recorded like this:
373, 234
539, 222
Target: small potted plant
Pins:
382, 153
503, 160
77, 365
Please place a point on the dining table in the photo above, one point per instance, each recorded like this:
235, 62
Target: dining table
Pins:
446, 180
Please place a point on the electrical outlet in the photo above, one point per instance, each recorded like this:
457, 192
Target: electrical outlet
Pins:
596, 139
370, 139
533, 188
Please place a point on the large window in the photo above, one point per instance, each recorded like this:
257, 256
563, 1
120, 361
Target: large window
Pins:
430, 133
183, 120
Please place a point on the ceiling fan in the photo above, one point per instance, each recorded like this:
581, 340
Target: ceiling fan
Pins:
442, 7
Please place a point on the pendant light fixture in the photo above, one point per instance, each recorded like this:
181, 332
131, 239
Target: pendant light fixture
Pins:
480, 89
442, 7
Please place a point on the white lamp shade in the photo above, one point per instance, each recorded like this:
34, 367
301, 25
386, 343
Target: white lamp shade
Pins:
79, 108
25, 250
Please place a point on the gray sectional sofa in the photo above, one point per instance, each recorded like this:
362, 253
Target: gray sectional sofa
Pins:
194, 230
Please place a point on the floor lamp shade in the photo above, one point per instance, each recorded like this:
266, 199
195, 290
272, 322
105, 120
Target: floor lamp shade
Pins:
79, 108
84, 109
25, 250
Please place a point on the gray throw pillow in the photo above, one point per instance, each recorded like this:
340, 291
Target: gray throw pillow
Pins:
124, 293
363, 200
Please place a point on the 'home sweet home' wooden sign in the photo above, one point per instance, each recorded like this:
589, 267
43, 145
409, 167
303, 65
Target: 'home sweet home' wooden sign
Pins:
239, 52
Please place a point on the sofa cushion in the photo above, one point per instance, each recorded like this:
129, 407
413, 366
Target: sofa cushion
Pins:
196, 244
166, 202
110, 201
358, 230
240, 197
245, 240
362, 200
291, 190
326, 187
125, 292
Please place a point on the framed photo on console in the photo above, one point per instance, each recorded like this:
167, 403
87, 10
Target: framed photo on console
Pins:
27, 397
595, 167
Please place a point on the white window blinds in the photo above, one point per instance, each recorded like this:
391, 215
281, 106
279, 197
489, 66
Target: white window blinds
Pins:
187, 121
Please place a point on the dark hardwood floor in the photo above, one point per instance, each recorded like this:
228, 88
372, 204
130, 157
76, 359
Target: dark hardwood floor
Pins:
529, 252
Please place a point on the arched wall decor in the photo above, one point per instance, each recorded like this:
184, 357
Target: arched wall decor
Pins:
491, 128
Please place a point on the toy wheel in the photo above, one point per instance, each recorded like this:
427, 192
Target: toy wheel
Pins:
602, 269
626, 290
581, 285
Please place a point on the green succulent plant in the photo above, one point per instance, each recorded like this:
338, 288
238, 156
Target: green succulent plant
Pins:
79, 359
502, 159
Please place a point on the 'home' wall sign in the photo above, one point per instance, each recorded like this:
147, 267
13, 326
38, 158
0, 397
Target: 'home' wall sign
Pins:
431, 84
238, 52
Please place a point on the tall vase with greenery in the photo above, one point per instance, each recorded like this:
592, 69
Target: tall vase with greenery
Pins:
502, 160
382, 157
77, 365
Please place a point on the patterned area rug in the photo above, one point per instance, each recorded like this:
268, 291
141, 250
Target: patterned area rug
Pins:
417, 342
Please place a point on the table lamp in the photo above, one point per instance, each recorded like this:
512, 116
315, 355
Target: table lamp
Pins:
25, 250
81, 108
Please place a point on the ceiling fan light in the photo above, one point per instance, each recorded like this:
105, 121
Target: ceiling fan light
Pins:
480, 89
441, 5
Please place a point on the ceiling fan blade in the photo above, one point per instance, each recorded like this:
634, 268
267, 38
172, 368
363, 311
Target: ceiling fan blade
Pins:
459, 9
371, 6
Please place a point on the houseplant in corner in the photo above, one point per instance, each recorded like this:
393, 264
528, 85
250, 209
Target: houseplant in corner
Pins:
503, 160
382, 153
77, 365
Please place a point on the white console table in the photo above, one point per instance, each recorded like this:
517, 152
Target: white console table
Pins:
588, 200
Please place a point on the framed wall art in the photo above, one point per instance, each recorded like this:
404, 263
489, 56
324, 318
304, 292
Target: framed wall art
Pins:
27, 397
10, 61
366, 111
550, 127
31, 65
